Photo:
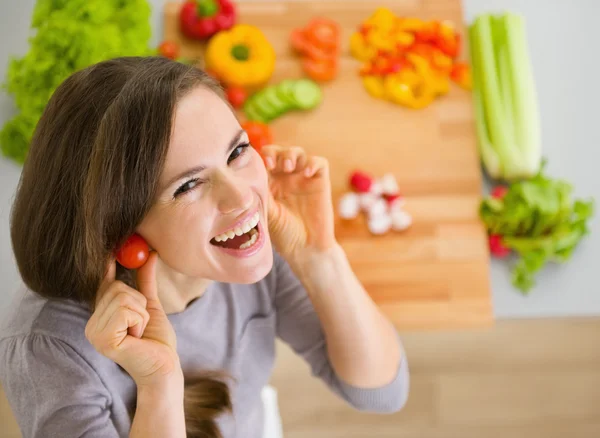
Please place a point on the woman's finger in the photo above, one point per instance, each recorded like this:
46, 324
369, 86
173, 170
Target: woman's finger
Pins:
116, 331
115, 289
121, 300
316, 165
294, 159
269, 154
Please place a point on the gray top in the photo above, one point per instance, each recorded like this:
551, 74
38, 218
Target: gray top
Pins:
58, 385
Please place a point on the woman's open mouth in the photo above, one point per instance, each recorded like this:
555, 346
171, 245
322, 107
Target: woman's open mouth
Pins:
243, 237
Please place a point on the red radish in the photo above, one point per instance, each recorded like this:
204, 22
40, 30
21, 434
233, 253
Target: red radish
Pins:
497, 247
361, 182
499, 191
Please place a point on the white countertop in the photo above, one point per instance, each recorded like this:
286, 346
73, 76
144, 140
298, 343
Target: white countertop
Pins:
563, 45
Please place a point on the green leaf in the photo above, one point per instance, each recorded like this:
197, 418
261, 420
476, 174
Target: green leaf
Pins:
69, 35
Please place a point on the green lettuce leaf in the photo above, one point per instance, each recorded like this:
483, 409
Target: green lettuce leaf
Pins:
69, 35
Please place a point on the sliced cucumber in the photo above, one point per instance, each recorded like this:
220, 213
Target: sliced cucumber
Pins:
274, 100
264, 108
306, 94
285, 91
252, 113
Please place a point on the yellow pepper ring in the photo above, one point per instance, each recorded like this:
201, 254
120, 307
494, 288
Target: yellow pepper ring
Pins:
241, 56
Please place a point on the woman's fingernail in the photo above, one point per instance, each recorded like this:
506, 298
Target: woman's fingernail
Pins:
287, 164
307, 171
269, 161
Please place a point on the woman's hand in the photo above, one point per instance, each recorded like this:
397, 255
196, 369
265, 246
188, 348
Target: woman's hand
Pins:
131, 328
300, 211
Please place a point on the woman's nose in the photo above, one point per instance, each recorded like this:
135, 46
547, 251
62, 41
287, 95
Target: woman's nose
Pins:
233, 195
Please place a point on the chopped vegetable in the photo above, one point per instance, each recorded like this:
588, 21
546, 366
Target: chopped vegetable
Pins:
461, 74
259, 134
504, 92
407, 60
68, 36
539, 221
201, 19
241, 56
319, 44
169, 49
275, 100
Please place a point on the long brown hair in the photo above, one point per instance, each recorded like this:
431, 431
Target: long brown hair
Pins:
91, 176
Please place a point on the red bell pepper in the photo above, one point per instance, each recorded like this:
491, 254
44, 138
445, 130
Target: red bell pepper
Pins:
200, 19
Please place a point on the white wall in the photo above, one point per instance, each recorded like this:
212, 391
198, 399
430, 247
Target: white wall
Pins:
564, 45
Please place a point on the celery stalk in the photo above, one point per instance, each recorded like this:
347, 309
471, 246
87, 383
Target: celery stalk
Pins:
504, 98
525, 108
488, 155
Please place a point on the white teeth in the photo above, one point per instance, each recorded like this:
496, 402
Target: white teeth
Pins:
252, 241
238, 231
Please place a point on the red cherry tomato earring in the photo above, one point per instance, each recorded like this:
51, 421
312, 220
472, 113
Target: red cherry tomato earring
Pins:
134, 252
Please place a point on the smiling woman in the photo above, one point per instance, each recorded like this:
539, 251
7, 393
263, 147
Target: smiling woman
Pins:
242, 252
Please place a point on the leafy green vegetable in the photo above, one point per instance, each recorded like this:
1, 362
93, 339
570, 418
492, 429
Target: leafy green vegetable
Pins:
71, 35
504, 94
539, 220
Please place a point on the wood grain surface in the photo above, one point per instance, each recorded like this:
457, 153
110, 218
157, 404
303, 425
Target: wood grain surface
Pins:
436, 274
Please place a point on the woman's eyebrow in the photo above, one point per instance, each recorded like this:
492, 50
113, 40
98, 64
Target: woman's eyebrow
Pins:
197, 169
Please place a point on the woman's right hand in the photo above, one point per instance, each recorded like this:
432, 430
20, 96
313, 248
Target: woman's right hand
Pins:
131, 328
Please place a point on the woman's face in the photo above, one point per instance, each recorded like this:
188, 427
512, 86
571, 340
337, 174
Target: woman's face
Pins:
213, 190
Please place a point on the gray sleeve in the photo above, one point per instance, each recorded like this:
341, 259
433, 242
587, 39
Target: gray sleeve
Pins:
52, 390
298, 325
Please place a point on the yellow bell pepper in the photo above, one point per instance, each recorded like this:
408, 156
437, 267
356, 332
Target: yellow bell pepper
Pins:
241, 56
402, 91
374, 86
383, 19
360, 49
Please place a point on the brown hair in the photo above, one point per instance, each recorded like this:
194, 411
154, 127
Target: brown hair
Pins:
91, 176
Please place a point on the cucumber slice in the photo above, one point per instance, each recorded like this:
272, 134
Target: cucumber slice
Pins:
285, 91
264, 108
307, 94
274, 100
252, 113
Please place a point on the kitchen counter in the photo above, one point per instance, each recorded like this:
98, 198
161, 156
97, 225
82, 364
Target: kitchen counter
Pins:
560, 34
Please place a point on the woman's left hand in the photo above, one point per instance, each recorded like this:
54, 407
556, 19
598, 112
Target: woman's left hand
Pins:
300, 208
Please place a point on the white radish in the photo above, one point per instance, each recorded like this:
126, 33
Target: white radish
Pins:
376, 188
401, 220
349, 206
378, 208
389, 184
367, 200
380, 224
396, 203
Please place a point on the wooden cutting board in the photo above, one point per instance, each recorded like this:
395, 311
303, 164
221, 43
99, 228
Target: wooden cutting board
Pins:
436, 274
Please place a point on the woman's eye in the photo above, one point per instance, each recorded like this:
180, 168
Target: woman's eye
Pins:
186, 187
238, 151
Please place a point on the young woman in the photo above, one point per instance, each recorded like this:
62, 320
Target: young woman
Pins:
184, 344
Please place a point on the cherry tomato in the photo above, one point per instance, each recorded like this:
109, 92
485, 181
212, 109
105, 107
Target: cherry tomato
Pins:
134, 252
259, 134
236, 96
169, 49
